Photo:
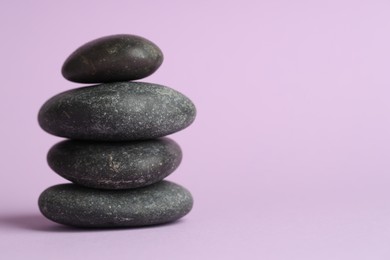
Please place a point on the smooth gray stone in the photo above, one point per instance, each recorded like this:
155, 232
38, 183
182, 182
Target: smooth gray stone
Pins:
115, 165
113, 58
122, 111
74, 205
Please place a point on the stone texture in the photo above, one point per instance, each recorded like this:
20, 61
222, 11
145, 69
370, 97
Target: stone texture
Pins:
75, 205
115, 165
121, 111
113, 58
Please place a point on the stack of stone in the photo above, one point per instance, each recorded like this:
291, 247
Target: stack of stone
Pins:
117, 157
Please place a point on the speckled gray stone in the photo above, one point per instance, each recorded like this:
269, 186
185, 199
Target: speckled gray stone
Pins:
115, 165
113, 58
74, 205
121, 111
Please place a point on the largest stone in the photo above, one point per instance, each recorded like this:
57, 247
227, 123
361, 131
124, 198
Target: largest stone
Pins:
121, 111
74, 205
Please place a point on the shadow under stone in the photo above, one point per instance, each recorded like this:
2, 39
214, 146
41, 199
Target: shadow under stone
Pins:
37, 222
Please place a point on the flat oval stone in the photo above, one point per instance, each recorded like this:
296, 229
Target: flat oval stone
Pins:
122, 111
74, 205
113, 58
115, 165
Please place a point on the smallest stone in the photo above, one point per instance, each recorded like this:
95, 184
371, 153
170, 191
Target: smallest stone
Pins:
113, 58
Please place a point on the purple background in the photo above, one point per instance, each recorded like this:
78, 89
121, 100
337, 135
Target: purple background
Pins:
288, 157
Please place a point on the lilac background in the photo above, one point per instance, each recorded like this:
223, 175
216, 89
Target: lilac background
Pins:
288, 157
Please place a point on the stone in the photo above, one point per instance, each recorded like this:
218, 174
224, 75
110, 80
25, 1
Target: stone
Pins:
74, 205
115, 165
121, 111
113, 58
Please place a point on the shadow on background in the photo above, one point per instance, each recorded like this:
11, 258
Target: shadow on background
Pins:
37, 222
